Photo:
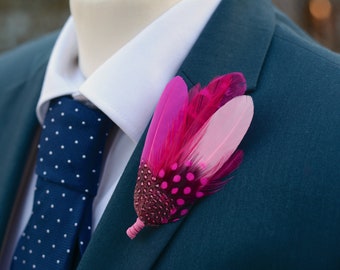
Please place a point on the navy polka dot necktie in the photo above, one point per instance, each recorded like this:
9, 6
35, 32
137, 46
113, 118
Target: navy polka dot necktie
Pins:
68, 168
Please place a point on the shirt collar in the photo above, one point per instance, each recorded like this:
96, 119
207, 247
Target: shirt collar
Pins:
128, 85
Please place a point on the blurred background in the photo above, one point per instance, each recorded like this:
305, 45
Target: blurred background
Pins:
21, 20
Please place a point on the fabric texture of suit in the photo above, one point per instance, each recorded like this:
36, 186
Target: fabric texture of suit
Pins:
281, 210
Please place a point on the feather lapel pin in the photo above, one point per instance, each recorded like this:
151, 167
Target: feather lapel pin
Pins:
191, 144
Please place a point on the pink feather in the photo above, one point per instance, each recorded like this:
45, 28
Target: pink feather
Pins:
222, 134
191, 144
173, 99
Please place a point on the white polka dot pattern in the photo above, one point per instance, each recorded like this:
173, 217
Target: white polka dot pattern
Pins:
68, 166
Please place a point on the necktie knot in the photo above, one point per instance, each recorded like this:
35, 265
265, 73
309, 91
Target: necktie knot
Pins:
71, 145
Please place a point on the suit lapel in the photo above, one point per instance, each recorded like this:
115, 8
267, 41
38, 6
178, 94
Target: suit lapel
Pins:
240, 45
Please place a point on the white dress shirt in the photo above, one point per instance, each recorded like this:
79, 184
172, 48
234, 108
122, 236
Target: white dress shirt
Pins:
126, 88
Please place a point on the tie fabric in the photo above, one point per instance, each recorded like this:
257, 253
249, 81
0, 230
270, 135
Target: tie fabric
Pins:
68, 167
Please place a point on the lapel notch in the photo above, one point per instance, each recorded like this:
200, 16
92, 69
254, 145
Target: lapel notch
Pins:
232, 43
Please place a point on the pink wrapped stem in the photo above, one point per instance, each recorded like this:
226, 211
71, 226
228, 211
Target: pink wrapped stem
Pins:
135, 228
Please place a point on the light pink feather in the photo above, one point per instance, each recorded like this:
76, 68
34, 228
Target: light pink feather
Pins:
223, 133
173, 99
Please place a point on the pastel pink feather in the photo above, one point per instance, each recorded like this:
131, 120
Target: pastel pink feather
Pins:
223, 133
173, 99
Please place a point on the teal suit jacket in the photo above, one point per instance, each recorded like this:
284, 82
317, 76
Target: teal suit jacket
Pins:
281, 210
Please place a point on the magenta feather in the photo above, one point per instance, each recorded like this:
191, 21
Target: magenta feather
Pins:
191, 144
173, 99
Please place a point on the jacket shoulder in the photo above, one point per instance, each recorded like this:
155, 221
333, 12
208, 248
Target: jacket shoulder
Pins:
288, 37
17, 65
21, 74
